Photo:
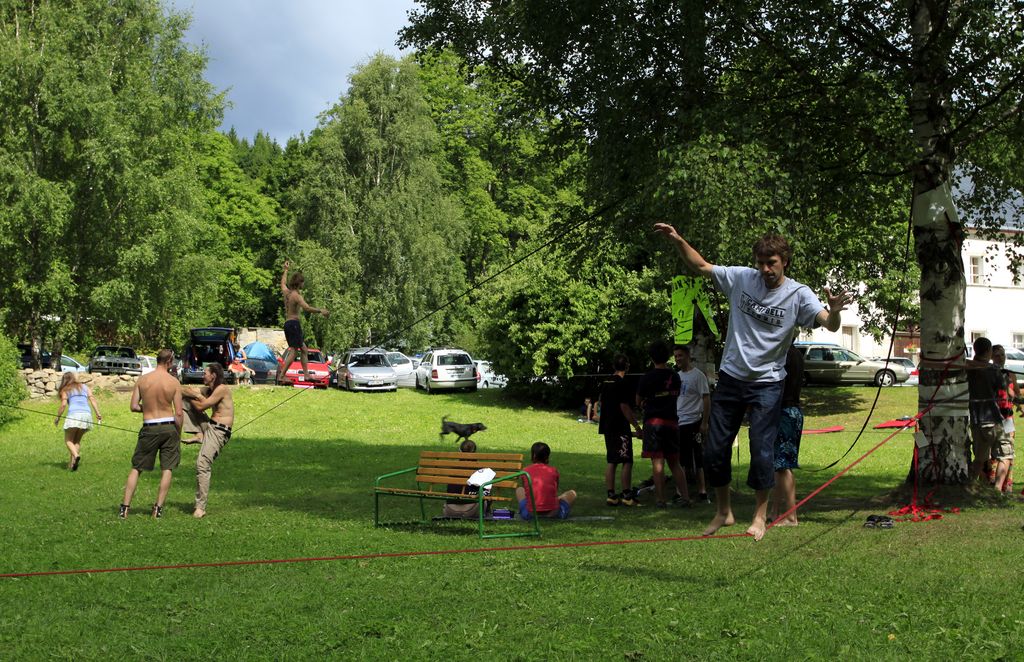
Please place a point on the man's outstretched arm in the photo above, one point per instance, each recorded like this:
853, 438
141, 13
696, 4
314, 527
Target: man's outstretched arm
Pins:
284, 277
311, 309
831, 319
694, 260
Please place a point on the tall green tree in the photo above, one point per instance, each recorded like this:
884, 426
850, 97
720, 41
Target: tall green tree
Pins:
916, 92
640, 83
262, 159
242, 237
100, 109
859, 107
371, 201
12, 386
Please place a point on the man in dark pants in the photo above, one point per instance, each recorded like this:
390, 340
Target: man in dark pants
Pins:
693, 409
765, 310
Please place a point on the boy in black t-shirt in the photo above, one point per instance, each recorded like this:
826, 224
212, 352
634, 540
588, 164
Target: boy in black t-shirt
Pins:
616, 424
657, 394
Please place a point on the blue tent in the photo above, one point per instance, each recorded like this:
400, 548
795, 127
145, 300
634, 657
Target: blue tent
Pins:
262, 361
258, 350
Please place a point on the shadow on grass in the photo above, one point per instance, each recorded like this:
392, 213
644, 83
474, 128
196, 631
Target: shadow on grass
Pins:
824, 401
333, 479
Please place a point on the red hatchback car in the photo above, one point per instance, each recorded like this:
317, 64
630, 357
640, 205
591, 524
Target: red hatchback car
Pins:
320, 373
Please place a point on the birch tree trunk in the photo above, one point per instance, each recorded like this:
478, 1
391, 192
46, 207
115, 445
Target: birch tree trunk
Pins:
943, 446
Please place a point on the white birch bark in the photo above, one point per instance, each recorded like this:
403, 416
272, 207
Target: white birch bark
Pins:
944, 442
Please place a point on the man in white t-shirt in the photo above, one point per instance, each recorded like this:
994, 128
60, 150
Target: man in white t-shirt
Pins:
693, 407
765, 310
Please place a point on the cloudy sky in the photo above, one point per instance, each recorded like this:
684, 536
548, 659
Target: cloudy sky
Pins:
285, 61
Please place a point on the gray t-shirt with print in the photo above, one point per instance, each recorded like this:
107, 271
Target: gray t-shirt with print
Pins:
762, 322
690, 403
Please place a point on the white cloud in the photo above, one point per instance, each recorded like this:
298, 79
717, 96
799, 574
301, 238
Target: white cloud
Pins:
285, 62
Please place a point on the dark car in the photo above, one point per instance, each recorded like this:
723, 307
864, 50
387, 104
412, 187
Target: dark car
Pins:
25, 349
263, 361
207, 345
115, 360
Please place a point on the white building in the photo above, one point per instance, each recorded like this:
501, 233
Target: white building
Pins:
995, 307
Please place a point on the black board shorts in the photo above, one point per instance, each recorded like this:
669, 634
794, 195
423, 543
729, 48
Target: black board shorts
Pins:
293, 334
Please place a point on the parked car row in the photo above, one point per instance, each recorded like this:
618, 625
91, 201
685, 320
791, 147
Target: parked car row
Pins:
106, 359
442, 368
360, 369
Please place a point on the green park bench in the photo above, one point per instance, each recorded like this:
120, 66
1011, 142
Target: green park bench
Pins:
437, 470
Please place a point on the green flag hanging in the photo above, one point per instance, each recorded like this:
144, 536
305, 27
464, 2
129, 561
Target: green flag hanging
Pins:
688, 294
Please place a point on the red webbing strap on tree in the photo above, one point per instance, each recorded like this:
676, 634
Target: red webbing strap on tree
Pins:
912, 512
928, 510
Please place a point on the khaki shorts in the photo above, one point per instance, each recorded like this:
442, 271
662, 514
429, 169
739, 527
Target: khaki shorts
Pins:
1004, 449
162, 438
992, 441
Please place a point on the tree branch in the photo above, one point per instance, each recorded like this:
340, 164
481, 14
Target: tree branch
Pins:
1010, 85
982, 131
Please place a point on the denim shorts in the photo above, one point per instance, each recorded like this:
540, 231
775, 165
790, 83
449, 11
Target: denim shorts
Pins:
563, 510
731, 401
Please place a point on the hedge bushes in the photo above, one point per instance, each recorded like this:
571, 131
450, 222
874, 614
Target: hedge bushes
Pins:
12, 388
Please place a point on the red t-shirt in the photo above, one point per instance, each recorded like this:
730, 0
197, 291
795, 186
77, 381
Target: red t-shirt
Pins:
545, 486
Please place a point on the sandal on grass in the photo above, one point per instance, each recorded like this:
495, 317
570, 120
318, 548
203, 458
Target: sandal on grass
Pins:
879, 522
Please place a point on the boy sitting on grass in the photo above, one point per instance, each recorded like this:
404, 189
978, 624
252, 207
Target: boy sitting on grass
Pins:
544, 479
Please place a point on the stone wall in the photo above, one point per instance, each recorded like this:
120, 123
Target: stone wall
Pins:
44, 383
273, 338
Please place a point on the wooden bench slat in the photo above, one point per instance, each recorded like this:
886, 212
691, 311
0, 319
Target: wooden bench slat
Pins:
460, 473
510, 457
516, 466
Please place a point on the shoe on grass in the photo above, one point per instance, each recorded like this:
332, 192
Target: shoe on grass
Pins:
629, 499
158, 511
680, 501
613, 499
122, 513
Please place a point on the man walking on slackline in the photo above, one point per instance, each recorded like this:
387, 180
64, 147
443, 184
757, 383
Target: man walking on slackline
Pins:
765, 309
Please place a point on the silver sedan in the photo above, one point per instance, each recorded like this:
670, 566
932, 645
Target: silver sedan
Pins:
365, 369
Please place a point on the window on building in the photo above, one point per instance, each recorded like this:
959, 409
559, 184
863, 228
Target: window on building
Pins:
850, 337
1018, 341
977, 334
977, 273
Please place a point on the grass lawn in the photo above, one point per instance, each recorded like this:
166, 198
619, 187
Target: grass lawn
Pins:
297, 483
